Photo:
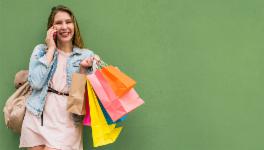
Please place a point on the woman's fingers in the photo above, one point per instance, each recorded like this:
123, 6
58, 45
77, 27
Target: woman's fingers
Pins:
51, 31
49, 37
96, 57
88, 62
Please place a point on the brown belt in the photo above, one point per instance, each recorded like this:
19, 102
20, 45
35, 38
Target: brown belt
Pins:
57, 92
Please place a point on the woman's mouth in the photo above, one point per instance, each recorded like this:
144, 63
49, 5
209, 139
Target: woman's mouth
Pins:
64, 34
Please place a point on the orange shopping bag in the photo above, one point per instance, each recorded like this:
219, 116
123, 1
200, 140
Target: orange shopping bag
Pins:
118, 80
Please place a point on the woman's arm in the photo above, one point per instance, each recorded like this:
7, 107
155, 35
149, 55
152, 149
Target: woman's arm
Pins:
41, 60
39, 66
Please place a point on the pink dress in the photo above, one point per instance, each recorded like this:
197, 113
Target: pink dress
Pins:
58, 130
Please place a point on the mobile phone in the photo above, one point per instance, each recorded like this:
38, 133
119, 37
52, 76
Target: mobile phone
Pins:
55, 36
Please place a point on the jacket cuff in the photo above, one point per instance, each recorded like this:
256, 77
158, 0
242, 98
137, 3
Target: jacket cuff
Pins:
89, 70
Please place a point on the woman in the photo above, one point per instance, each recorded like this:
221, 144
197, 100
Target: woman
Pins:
47, 125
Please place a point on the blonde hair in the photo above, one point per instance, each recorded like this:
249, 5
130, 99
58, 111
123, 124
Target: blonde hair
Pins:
77, 39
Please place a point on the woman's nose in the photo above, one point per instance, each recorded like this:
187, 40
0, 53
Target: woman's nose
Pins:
64, 25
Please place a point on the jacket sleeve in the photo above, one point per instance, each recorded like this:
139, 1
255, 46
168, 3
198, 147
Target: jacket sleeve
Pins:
38, 68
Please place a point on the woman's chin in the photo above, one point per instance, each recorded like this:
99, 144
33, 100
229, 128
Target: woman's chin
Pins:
65, 40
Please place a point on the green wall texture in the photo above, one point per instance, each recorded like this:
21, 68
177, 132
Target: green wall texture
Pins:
199, 66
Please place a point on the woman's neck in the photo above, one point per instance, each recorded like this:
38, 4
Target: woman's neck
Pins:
66, 47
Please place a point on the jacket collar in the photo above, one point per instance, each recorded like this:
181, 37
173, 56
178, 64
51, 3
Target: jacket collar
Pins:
76, 50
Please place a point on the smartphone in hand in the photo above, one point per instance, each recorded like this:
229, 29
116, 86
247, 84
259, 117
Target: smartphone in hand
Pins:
55, 36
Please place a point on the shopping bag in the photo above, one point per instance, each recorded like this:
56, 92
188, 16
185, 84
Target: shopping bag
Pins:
87, 118
128, 102
106, 100
119, 81
115, 107
102, 133
107, 117
76, 100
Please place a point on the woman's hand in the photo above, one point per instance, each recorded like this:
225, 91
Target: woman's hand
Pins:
88, 62
49, 37
51, 45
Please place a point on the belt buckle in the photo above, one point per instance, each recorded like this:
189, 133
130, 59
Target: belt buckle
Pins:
60, 93
63, 94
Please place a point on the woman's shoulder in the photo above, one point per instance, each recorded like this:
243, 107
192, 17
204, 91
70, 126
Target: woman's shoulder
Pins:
85, 51
40, 48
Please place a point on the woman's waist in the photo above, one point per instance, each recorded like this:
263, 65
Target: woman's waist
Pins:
63, 92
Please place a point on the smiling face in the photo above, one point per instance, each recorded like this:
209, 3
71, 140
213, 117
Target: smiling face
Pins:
69, 31
65, 26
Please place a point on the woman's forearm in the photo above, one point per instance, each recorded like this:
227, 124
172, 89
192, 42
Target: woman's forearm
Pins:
49, 54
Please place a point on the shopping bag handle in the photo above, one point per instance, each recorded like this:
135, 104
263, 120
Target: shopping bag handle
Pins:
98, 64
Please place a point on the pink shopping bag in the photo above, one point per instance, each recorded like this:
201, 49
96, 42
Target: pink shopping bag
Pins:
87, 118
115, 107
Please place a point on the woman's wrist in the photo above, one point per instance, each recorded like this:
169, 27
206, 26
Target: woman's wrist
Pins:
82, 70
50, 53
51, 48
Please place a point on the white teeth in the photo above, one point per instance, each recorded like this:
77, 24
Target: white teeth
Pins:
65, 34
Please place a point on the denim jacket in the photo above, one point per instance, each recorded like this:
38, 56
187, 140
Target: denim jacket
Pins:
41, 72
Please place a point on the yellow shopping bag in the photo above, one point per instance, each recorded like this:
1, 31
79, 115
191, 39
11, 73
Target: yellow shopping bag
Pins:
102, 133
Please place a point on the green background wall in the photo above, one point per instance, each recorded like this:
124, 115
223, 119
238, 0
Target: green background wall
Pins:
199, 66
